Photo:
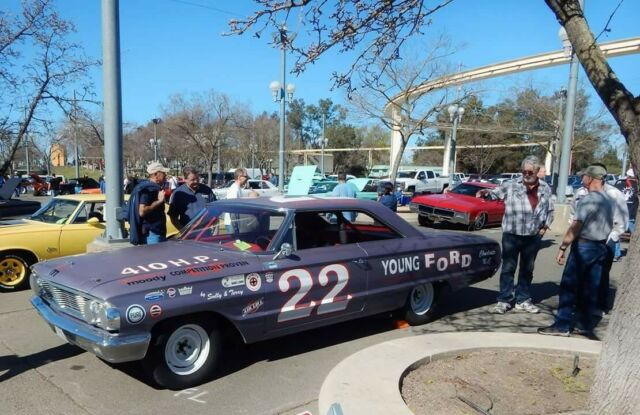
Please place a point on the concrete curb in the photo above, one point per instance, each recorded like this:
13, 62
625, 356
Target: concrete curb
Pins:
368, 382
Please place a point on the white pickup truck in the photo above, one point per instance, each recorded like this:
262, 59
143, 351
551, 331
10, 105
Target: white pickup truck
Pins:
421, 181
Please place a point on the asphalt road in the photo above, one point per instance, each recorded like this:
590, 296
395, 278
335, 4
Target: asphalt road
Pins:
41, 374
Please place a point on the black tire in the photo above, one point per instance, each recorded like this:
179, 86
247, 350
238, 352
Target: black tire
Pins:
479, 223
411, 189
14, 271
167, 362
424, 221
421, 304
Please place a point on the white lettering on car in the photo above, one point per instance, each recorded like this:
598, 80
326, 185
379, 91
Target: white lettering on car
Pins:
180, 262
400, 265
442, 262
294, 309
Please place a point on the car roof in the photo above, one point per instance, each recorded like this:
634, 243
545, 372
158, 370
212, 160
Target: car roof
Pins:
84, 197
311, 202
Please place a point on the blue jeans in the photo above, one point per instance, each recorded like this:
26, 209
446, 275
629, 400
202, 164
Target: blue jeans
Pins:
524, 248
632, 226
581, 281
155, 238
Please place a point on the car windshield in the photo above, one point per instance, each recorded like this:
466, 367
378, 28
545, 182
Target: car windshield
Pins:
406, 174
466, 189
235, 228
56, 211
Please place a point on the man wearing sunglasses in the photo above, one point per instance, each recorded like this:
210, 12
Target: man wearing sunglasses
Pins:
527, 216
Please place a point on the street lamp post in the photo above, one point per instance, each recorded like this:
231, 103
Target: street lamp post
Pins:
455, 115
570, 108
324, 143
253, 148
154, 141
278, 93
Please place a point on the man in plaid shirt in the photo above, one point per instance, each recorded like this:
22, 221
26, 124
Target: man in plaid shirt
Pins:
527, 216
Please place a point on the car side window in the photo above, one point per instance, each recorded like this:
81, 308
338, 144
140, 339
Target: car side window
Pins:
83, 214
329, 228
421, 176
430, 175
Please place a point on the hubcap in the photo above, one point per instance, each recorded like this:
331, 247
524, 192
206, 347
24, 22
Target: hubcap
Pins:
187, 349
422, 298
12, 271
480, 221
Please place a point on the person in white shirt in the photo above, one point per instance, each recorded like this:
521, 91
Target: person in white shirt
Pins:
236, 191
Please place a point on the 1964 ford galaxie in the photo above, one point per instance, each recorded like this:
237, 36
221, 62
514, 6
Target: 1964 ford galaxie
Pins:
259, 268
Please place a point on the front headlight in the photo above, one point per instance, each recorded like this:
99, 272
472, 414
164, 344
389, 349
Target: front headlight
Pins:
460, 215
102, 314
35, 282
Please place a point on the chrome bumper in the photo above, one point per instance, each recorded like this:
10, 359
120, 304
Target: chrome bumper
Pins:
112, 347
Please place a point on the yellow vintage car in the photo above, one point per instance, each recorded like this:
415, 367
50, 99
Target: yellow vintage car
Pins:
64, 226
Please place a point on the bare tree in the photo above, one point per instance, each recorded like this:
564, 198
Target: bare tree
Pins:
376, 30
391, 95
204, 121
32, 85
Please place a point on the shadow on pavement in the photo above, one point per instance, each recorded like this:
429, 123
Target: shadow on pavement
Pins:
13, 365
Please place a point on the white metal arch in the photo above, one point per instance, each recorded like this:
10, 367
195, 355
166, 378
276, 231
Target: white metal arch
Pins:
544, 60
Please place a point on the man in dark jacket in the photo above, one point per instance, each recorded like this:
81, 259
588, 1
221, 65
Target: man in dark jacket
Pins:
148, 223
189, 199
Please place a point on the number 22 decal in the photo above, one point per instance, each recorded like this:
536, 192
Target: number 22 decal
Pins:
293, 310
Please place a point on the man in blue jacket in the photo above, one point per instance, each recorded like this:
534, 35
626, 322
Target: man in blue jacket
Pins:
148, 223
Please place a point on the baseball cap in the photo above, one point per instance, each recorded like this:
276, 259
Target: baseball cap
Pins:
155, 167
596, 172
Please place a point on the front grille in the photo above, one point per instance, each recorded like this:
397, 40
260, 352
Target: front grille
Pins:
65, 299
436, 211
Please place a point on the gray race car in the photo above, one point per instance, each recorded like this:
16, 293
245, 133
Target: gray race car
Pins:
261, 268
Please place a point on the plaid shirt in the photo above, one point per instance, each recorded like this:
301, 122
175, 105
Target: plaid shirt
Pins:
519, 218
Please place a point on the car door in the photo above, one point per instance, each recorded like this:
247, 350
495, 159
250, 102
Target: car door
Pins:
322, 282
78, 231
393, 263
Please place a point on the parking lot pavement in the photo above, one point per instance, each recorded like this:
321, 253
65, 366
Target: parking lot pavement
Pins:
41, 374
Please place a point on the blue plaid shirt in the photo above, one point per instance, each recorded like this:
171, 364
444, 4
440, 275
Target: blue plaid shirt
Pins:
519, 218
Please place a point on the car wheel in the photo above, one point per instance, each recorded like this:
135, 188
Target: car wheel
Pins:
479, 223
185, 354
421, 304
14, 272
424, 221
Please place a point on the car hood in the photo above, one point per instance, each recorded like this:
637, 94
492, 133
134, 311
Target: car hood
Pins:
5, 224
23, 226
451, 201
108, 274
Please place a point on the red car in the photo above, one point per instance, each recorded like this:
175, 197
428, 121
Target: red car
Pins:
460, 205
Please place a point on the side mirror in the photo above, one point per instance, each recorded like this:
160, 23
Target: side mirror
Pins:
94, 222
285, 251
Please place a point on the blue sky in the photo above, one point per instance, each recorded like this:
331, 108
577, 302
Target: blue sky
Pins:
175, 46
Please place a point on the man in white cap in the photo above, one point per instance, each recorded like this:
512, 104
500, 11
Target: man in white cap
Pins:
148, 222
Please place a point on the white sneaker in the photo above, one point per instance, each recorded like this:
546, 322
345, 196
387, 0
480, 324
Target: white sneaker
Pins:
501, 308
527, 306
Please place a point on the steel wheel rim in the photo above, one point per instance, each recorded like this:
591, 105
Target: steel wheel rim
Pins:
187, 349
12, 271
422, 298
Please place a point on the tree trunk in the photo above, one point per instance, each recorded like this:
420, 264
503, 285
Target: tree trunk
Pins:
617, 385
